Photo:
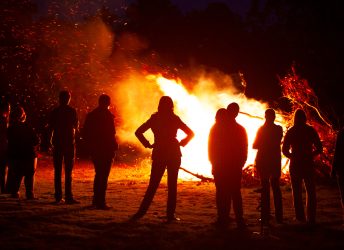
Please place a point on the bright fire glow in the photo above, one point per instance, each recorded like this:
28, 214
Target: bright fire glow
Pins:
198, 112
138, 97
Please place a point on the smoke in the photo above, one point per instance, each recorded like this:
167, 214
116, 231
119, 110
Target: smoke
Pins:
88, 58
75, 57
136, 98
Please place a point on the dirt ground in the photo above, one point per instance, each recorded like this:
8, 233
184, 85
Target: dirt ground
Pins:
40, 224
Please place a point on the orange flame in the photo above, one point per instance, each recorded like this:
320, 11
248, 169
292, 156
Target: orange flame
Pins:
197, 110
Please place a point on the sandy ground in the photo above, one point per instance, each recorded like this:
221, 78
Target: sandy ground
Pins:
40, 224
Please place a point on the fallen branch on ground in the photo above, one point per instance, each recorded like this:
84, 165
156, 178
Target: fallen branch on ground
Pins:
199, 176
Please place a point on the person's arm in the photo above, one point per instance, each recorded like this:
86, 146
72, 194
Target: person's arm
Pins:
211, 145
76, 122
317, 143
286, 145
245, 147
189, 134
257, 140
116, 146
280, 133
35, 138
86, 134
50, 127
211, 149
338, 153
141, 130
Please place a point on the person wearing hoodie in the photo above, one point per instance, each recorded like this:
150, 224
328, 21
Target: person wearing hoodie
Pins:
301, 145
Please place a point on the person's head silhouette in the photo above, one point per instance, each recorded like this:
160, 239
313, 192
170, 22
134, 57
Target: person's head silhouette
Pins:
165, 105
233, 110
104, 101
300, 117
221, 115
270, 115
18, 114
64, 97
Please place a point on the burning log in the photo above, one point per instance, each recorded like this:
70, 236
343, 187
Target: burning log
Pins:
199, 176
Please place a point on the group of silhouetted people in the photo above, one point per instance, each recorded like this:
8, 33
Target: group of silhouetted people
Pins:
301, 145
99, 134
19, 145
227, 148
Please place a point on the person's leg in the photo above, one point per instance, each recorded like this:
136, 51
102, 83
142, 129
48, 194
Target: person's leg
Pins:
29, 177
157, 171
222, 199
172, 178
340, 182
16, 177
265, 200
237, 207
10, 178
311, 200
275, 185
3, 166
57, 159
104, 175
228, 197
69, 164
96, 181
296, 184
103, 168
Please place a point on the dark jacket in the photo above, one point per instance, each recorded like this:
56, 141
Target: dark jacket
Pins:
301, 144
164, 128
63, 122
268, 142
228, 147
22, 142
99, 133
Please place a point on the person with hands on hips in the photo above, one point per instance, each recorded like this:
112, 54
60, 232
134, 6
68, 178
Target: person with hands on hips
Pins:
165, 154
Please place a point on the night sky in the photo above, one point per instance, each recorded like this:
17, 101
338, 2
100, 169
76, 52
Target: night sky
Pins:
307, 34
240, 7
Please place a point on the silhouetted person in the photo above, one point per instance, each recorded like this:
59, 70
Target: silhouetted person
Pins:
99, 133
166, 154
228, 146
63, 122
338, 164
268, 164
301, 144
22, 147
4, 120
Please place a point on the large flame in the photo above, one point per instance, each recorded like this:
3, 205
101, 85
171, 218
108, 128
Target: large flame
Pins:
197, 108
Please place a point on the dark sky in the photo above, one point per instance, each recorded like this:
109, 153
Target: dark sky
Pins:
238, 6
307, 44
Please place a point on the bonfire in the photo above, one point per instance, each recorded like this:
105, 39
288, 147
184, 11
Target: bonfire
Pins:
197, 105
